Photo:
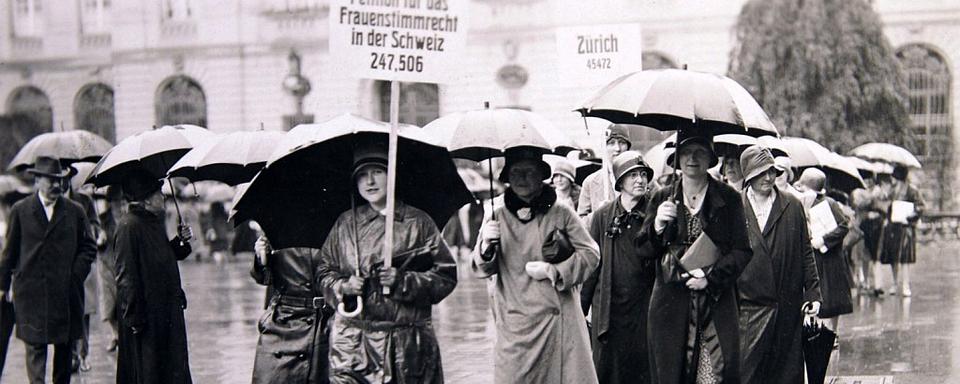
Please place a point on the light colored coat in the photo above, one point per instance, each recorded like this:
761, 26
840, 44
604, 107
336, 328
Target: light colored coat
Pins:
541, 332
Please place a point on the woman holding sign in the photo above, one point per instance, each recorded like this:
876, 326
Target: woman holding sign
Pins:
392, 338
899, 247
693, 325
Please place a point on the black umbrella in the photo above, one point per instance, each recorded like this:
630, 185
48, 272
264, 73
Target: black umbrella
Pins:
308, 182
817, 347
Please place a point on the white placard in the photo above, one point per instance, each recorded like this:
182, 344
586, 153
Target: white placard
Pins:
901, 210
596, 55
404, 40
822, 221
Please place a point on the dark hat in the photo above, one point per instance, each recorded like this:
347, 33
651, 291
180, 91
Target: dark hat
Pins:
517, 154
139, 184
50, 167
617, 131
755, 161
900, 172
369, 154
685, 138
629, 161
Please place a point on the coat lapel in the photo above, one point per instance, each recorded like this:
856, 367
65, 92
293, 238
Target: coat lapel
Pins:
59, 211
776, 212
753, 226
38, 212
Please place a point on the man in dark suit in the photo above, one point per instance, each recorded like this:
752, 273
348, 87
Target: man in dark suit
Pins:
49, 248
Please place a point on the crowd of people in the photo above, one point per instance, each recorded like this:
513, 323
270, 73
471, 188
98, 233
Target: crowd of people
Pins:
704, 276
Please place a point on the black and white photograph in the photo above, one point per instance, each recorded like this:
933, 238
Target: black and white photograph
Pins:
479, 191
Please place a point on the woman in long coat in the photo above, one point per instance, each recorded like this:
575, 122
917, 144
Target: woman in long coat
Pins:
541, 332
150, 300
693, 325
619, 289
293, 343
392, 341
780, 283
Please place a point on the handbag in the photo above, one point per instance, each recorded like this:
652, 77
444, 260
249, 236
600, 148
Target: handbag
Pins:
557, 248
702, 254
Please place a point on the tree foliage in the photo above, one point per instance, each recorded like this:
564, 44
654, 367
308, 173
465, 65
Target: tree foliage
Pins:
822, 69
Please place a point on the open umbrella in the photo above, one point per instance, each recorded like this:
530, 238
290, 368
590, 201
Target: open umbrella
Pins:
886, 152
485, 133
68, 146
155, 151
841, 173
669, 99
233, 158
10, 183
774, 144
307, 183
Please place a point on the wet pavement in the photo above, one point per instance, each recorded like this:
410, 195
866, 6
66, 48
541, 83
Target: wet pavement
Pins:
889, 339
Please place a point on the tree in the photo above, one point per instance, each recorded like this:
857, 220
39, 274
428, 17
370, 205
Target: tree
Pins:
822, 69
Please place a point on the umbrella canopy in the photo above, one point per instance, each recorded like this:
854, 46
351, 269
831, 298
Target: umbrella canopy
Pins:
308, 183
482, 134
841, 173
68, 146
82, 173
155, 151
886, 152
774, 144
233, 158
10, 183
668, 99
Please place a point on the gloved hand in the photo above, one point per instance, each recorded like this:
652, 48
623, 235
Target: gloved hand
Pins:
540, 270
352, 287
490, 234
263, 249
666, 212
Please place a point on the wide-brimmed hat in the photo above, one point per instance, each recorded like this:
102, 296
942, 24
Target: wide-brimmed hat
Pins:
626, 162
369, 154
139, 184
565, 169
617, 131
687, 138
755, 161
50, 167
784, 164
813, 179
517, 154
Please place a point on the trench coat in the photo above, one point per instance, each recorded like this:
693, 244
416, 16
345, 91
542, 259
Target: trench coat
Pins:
833, 267
541, 331
593, 193
780, 277
723, 220
292, 347
399, 324
48, 262
150, 299
619, 293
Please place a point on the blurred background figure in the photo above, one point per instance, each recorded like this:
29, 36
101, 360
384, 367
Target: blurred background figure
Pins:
564, 183
110, 208
899, 243
217, 231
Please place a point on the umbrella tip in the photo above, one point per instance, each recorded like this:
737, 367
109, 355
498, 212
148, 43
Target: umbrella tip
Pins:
486, 105
684, 66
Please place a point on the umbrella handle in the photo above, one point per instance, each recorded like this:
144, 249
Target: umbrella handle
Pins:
342, 309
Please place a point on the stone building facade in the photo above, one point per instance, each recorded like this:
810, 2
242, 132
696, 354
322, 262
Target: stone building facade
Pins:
121, 67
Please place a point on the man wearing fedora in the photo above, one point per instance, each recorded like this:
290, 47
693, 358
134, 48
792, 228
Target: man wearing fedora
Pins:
780, 283
619, 289
49, 248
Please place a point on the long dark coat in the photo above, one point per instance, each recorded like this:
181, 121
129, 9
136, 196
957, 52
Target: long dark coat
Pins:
293, 343
149, 298
780, 277
833, 268
899, 243
619, 293
723, 220
48, 262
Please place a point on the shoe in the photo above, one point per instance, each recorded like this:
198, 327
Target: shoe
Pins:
893, 291
906, 292
113, 346
75, 364
84, 366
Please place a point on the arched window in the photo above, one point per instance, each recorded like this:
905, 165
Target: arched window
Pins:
93, 110
419, 102
32, 103
928, 82
180, 100
656, 60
